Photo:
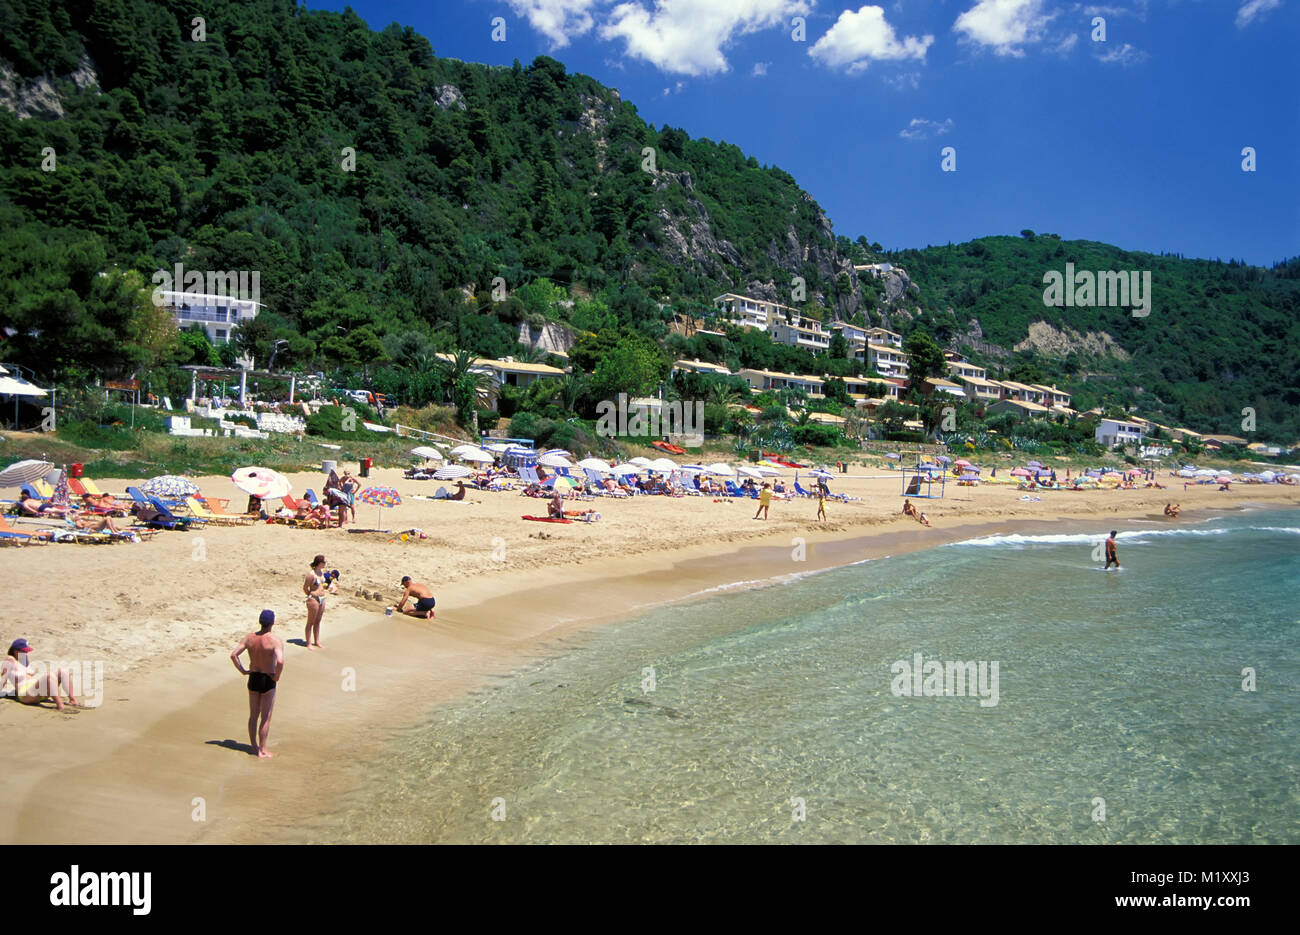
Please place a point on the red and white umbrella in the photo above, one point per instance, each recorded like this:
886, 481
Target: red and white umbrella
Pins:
260, 482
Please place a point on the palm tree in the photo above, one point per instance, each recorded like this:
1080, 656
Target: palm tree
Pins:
572, 388
454, 369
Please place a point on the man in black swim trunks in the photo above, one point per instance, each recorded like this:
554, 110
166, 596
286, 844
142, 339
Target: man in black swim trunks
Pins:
1111, 555
421, 594
266, 662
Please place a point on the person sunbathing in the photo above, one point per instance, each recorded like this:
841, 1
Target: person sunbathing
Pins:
555, 509
28, 683
908, 509
460, 491
91, 523
32, 507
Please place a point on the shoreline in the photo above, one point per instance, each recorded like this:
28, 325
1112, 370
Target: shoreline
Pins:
134, 772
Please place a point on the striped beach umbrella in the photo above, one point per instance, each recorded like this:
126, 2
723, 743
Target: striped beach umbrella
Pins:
24, 472
380, 497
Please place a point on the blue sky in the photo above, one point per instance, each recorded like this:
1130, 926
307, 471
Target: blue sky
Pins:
1135, 140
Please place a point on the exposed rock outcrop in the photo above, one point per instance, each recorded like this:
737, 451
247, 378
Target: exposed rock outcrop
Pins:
1058, 342
552, 337
42, 96
449, 96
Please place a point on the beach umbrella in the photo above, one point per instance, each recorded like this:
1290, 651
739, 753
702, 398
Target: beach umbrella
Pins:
893, 455
962, 462
170, 487
693, 469
380, 497
427, 453
477, 455
639, 461
662, 464
766, 470
451, 472
261, 482
1035, 464
497, 447
594, 464
821, 473
555, 461
24, 472
944, 458
1136, 471
723, 469
1186, 473
62, 496
559, 482
1269, 476
1020, 472
622, 470
749, 472
558, 451
461, 449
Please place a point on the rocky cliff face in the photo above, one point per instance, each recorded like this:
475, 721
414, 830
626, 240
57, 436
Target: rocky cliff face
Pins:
43, 96
552, 337
1055, 342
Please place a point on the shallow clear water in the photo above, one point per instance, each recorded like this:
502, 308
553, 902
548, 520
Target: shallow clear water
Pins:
1124, 686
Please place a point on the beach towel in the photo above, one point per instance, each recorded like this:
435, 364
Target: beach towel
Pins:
334, 491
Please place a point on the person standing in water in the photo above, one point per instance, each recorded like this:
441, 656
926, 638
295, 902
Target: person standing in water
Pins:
1111, 556
265, 663
316, 589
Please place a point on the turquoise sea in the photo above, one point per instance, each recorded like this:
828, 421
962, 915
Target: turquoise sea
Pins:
774, 713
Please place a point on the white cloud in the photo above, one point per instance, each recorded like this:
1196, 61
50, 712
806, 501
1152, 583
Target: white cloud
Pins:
760, 69
1124, 55
922, 129
857, 39
558, 20
1066, 44
675, 89
1004, 24
1139, 10
1253, 9
687, 36
904, 81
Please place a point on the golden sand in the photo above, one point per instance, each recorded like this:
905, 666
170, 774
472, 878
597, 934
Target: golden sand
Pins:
168, 745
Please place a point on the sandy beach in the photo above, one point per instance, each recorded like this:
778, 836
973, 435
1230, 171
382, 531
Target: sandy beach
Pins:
164, 758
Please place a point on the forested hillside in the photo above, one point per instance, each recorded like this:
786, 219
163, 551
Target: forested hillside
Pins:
235, 152
1219, 337
398, 204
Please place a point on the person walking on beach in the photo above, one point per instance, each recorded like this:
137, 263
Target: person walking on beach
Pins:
265, 663
764, 500
316, 588
421, 594
1111, 556
821, 505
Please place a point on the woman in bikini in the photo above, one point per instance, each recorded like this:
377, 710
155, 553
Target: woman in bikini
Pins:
29, 685
316, 590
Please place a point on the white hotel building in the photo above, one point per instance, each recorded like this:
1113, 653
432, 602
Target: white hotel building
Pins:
754, 313
218, 314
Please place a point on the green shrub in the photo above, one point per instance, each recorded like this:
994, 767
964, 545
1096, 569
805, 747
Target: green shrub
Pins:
815, 434
328, 423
